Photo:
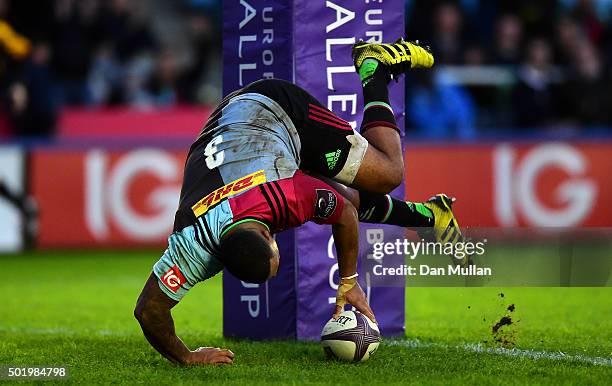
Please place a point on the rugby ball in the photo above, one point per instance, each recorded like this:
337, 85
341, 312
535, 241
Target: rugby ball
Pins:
352, 337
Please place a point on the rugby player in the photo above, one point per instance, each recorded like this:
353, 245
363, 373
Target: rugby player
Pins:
253, 171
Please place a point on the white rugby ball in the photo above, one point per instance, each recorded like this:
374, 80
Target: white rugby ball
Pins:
352, 337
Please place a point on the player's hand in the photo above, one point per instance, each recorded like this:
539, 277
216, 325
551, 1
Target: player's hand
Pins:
210, 356
350, 292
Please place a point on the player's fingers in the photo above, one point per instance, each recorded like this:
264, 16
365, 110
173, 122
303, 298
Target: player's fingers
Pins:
223, 360
370, 316
363, 307
222, 356
227, 353
338, 311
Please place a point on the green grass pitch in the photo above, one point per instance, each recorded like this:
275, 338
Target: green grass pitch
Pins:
75, 309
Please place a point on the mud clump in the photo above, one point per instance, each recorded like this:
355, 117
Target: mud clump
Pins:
504, 331
504, 321
505, 341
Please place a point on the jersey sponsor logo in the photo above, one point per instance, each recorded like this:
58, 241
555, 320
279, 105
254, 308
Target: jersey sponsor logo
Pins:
326, 203
173, 279
229, 190
332, 158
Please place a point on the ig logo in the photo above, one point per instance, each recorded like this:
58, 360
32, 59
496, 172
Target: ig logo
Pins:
516, 181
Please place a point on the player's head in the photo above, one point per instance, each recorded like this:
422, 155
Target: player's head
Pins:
250, 253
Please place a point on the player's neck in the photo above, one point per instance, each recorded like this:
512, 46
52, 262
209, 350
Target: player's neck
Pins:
248, 224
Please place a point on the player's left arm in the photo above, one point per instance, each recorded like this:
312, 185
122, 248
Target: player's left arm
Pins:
153, 312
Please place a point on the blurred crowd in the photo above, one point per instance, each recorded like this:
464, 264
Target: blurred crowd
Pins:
94, 53
556, 55
552, 61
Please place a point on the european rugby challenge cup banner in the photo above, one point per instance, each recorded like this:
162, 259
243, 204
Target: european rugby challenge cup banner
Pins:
308, 42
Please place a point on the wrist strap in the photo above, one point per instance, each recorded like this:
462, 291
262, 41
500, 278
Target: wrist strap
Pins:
350, 277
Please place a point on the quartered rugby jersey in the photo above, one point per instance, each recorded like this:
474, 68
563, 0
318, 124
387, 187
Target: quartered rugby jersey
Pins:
270, 125
251, 133
281, 204
243, 165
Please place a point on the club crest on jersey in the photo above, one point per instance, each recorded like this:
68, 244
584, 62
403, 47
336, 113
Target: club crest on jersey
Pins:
326, 203
173, 279
229, 190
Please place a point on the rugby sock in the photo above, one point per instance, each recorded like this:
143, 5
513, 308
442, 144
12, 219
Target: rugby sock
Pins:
377, 110
384, 209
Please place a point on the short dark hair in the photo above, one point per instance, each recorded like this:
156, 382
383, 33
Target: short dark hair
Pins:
246, 254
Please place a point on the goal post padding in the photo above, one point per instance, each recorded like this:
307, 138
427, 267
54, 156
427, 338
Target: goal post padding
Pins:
308, 42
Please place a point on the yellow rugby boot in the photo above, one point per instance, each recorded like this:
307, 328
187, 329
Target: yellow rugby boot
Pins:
397, 57
446, 228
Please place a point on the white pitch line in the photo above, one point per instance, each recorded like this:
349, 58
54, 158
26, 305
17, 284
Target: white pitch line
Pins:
410, 343
510, 352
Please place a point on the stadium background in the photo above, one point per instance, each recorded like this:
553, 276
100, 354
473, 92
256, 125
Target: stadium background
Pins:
99, 101
520, 97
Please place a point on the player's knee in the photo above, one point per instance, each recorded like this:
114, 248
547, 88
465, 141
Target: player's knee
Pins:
393, 178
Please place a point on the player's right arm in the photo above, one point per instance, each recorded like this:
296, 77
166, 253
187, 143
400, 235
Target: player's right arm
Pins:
153, 312
346, 236
319, 202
